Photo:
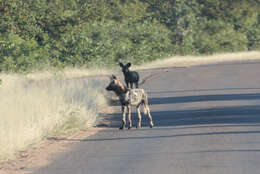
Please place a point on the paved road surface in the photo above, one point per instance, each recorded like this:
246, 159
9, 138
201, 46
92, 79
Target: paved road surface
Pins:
207, 121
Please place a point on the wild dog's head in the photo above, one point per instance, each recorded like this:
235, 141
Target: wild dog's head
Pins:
116, 86
125, 68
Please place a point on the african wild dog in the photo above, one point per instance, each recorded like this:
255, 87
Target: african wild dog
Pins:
130, 97
131, 77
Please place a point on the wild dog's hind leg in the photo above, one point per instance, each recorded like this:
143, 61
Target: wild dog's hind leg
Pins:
136, 84
139, 116
123, 117
129, 117
149, 114
127, 84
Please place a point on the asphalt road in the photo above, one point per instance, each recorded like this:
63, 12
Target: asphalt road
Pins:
207, 121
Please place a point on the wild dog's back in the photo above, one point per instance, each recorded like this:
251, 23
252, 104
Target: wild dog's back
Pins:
136, 96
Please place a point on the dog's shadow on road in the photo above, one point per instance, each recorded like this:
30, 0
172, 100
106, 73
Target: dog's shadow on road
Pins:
244, 114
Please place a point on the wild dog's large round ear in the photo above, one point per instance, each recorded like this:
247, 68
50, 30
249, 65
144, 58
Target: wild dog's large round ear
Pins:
120, 64
128, 64
113, 77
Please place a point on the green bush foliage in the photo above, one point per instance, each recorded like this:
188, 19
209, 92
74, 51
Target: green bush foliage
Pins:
57, 33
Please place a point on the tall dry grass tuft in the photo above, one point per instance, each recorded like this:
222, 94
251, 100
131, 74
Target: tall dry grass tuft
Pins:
180, 61
32, 108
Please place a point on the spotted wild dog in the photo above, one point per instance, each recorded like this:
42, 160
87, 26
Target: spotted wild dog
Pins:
131, 77
130, 97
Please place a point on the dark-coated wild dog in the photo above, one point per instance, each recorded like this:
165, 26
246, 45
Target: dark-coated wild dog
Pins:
130, 97
131, 77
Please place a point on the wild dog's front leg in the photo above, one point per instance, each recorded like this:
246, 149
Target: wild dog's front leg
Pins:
139, 116
129, 117
123, 118
127, 84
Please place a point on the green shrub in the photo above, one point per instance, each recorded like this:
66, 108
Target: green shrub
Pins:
17, 54
110, 42
35, 33
217, 36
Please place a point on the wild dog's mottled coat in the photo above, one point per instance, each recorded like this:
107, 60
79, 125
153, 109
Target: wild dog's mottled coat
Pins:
128, 98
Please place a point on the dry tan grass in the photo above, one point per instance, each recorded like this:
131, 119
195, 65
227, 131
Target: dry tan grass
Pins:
69, 73
32, 108
180, 61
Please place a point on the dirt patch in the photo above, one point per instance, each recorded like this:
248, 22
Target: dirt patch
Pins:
41, 154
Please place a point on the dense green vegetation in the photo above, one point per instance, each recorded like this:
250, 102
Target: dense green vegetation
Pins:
58, 33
